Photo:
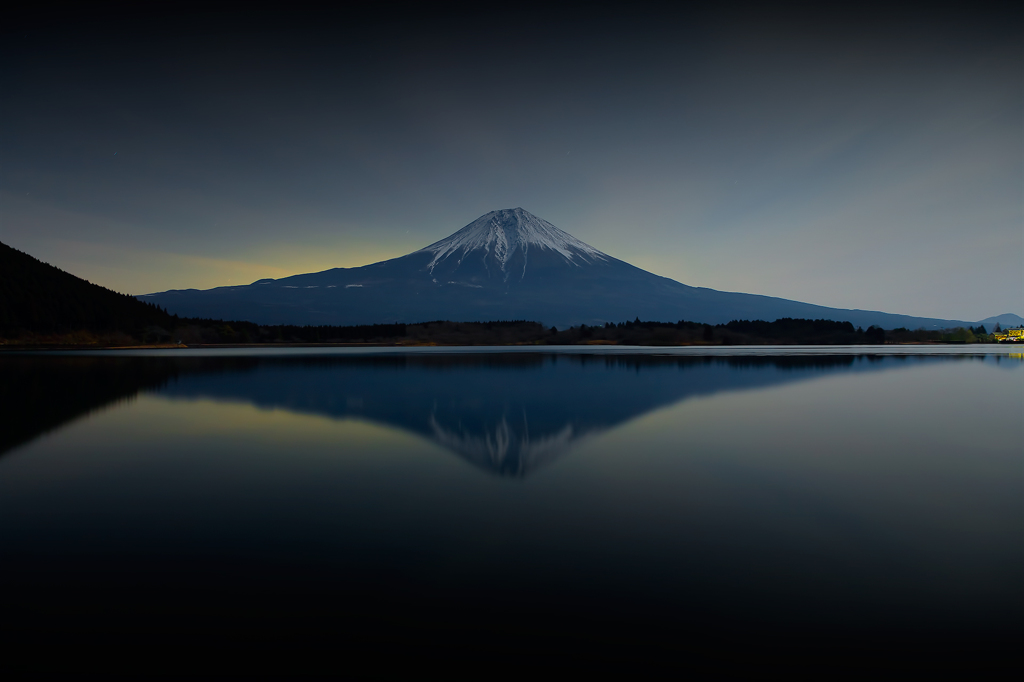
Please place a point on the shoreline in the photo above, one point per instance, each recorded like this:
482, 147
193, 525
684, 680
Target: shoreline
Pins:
19, 348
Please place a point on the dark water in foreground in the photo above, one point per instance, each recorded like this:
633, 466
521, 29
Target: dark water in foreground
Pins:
286, 512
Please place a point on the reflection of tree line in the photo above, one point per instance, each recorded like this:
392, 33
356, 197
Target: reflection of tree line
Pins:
41, 393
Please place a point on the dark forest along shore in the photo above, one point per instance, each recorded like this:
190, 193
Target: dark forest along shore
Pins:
615, 508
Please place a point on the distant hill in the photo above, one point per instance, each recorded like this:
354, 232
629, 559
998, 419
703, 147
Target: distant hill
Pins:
1006, 321
506, 265
43, 299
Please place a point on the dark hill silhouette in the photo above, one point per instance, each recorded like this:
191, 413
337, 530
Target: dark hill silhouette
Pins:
38, 297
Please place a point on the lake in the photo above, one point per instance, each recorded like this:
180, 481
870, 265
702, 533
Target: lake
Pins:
307, 509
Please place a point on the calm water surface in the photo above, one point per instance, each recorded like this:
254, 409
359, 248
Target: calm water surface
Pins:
619, 506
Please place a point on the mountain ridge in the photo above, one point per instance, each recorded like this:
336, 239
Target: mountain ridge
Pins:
506, 264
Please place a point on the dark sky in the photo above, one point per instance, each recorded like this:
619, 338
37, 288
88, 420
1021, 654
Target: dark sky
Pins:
865, 157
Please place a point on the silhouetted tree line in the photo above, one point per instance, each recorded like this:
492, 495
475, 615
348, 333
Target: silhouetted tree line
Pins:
784, 331
437, 332
209, 331
959, 335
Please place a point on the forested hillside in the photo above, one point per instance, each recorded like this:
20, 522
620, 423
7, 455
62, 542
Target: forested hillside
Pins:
40, 298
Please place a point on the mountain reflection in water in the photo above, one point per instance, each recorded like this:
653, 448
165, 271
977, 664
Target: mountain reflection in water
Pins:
297, 507
507, 413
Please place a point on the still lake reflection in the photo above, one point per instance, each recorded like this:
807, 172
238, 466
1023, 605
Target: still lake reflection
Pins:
551, 505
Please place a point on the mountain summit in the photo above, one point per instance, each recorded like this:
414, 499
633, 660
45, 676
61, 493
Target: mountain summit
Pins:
507, 264
500, 244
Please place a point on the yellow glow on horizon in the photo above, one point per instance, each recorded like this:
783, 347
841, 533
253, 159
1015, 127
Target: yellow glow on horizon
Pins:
121, 257
139, 271
205, 419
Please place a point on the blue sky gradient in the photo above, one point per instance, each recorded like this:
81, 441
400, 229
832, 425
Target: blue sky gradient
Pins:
856, 157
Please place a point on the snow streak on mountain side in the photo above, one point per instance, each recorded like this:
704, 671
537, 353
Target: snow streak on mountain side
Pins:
502, 233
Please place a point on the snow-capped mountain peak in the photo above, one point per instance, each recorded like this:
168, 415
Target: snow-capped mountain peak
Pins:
502, 234
506, 265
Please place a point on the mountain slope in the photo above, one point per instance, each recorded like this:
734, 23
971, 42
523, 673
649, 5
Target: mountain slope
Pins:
41, 298
507, 264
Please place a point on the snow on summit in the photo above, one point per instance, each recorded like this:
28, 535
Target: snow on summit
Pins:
501, 234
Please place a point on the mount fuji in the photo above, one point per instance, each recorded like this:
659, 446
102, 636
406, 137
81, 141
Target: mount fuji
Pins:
507, 264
